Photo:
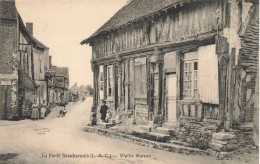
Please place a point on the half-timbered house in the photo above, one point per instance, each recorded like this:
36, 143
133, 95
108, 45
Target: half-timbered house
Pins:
174, 62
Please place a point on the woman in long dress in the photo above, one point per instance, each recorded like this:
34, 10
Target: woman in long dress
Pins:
35, 112
43, 111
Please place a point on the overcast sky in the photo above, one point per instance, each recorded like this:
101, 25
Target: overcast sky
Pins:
63, 24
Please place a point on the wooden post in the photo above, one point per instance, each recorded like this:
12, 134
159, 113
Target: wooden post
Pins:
149, 87
115, 66
105, 81
178, 82
222, 51
232, 88
126, 84
131, 83
160, 73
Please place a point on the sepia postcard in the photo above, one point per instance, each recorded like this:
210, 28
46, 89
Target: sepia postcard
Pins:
129, 81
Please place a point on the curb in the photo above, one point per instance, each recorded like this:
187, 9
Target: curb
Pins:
144, 142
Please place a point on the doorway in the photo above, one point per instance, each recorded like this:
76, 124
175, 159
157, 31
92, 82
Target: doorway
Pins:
171, 97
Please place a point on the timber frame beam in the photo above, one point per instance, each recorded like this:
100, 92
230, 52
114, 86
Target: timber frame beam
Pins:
197, 41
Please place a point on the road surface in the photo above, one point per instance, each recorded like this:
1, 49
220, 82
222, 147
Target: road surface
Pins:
62, 140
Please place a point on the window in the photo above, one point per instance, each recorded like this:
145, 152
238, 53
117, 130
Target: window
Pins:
40, 65
110, 80
190, 77
20, 59
101, 81
42, 91
156, 85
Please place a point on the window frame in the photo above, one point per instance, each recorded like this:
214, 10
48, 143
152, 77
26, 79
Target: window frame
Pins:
112, 81
192, 60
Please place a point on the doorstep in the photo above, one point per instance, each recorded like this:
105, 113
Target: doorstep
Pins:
171, 147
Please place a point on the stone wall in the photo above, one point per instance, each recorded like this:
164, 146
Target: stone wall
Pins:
8, 60
196, 133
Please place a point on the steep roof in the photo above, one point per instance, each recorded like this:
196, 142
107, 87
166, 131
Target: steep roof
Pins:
133, 11
61, 71
31, 37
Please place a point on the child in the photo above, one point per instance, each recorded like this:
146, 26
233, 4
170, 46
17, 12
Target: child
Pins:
103, 111
64, 111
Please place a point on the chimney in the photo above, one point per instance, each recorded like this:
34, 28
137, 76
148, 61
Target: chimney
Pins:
50, 64
8, 9
29, 27
128, 1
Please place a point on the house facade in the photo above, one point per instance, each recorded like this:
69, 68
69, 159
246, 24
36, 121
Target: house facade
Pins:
59, 86
17, 85
23, 61
178, 63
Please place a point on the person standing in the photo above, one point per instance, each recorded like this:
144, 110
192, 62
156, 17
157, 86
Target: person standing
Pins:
103, 111
43, 110
35, 112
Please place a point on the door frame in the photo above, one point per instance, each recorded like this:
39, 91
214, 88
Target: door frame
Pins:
166, 96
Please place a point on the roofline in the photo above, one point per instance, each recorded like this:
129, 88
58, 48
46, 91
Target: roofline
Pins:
89, 39
31, 37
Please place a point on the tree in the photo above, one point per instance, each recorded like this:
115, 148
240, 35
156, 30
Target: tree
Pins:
90, 90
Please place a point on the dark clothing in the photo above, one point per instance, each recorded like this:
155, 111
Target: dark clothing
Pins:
103, 112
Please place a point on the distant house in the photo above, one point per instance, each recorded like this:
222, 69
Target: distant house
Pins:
80, 91
179, 62
59, 86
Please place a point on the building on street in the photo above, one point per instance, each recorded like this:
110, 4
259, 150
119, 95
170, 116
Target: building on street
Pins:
59, 86
26, 74
80, 91
191, 66
18, 86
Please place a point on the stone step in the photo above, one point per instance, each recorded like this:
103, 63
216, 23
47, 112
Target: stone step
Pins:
158, 137
176, 142
139, 133
144, 142
146, 128
223, 136
170, 125
165, 131
151, 135
112, 121
106, 125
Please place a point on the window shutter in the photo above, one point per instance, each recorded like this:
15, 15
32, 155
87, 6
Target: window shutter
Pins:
208, 74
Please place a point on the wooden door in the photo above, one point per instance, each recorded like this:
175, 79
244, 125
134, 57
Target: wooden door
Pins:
2, 102
171, 97
155, 93
5, 101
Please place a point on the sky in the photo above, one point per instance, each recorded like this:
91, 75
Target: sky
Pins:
62, 24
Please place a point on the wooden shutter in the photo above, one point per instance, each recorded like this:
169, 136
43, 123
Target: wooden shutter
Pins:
208, 74
140, 78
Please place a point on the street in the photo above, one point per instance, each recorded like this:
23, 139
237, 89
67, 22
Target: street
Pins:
56, 139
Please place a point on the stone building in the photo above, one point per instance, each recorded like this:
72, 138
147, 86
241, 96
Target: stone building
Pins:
23, 61
40, 67
80, 91
59, 87
178, 64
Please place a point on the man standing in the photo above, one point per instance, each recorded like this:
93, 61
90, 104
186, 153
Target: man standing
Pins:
103, 111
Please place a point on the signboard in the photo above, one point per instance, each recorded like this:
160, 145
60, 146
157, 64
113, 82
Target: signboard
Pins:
6, 82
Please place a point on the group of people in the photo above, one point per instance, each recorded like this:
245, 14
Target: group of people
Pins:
38, 112
62, 112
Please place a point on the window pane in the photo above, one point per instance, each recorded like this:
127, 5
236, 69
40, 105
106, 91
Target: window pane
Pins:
195, 65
